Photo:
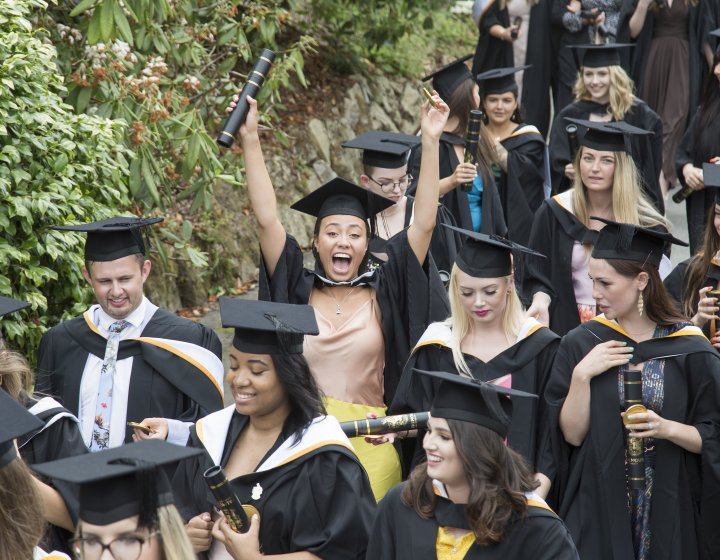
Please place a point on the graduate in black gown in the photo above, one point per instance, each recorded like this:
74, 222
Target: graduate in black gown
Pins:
487, 337
478, 209
495, 42
606, 184
280, 452
126, 503
520, 169
694, 282
473, 497
165, 366
387, 308
671, 509
385, 173
603, 91
58, 437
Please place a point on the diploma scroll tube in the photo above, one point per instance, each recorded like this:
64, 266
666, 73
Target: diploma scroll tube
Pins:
385, 425
632, 383
234, 511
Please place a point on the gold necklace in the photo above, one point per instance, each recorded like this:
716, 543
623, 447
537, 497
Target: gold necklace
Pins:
338, 306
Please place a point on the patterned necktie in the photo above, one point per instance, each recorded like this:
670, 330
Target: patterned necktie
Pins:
103, 408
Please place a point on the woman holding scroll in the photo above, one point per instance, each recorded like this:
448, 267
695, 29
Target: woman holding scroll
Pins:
281, 454
639, 328
487, 337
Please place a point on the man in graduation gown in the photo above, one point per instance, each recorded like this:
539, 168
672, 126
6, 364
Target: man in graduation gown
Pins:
125, 359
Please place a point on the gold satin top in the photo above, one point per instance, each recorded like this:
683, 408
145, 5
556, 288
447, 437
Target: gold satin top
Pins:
348, 362
453, 548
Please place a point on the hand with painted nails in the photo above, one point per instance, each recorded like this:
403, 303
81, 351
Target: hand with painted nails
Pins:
610, 354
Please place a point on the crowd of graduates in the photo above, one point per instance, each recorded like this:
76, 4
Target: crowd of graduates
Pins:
518, 290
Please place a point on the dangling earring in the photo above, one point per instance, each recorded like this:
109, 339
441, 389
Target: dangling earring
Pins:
641, 304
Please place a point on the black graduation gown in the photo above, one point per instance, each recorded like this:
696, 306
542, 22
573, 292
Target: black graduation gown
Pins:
553, 234
320, 502
399, 533
490, 52
591, 477
410, 296
60, 437
696, 62
521, 187
456, 201
567, 67
543, 39
528, 360
162, 384
676, 284
698, 204
646, 151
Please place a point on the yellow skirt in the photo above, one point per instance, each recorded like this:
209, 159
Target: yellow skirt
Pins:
380, 461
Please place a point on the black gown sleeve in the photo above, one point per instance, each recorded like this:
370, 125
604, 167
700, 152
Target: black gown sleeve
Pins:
382, 544
289, 283
684, 152
525, 165
45, 365
537, 272
559, 153
675, 282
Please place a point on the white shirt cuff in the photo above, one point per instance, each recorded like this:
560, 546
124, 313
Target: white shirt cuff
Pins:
178, 431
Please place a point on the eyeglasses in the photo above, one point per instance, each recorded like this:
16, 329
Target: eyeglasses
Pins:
389, 187
124, 547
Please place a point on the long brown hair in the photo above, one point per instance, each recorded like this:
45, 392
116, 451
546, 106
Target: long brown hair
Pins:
461, 101
498, 478
21, 512
660, 308
697, 268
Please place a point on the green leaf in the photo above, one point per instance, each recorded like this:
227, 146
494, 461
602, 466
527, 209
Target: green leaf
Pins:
150, 181
60, 163
187, 230
82, 7
94, 34
107, 22
122, 24
83, 99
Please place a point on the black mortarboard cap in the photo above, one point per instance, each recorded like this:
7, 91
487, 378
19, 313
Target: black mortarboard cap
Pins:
339, 196
600, 55
113, 238
384, 149
631, 243
498, 80
487, 256
15, 421
613, 136
121, 482
711, 178
264, 327
471, 400
10, 305
446, 80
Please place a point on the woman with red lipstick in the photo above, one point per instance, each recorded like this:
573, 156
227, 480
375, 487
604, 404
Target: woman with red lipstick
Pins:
489, 338
604, 92
606, 184
368, 320
280, 453
674, 511
473, 497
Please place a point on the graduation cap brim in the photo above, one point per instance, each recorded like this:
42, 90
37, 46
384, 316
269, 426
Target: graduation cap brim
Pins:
388, 150
598, 55
487, 256
341, 197
107, 479
499, 80
472, 400
612, 136
265, 327
630, 242
112, 238
15, 421
446, 79
10, 305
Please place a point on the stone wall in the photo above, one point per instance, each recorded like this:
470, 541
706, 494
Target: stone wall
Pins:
313, 158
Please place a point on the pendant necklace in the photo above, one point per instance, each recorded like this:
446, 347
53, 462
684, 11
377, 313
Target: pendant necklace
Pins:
338, 305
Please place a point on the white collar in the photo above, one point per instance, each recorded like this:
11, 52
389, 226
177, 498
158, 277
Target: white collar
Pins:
136, 318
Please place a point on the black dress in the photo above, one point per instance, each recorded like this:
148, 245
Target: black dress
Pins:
646, 151
592, 477
311, 495
490, 52
399, 533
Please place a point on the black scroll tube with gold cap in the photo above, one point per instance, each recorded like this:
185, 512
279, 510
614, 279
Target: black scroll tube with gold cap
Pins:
228, 503
571, 130
471, 142
385, 425
255, 80
632, 383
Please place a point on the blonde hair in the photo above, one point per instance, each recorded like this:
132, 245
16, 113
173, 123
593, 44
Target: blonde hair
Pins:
630, 204
460, 323
621, 91
175, 542
15, 374
21, 513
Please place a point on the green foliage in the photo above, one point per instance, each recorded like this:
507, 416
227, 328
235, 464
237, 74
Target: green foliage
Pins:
55, 167
166, 67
